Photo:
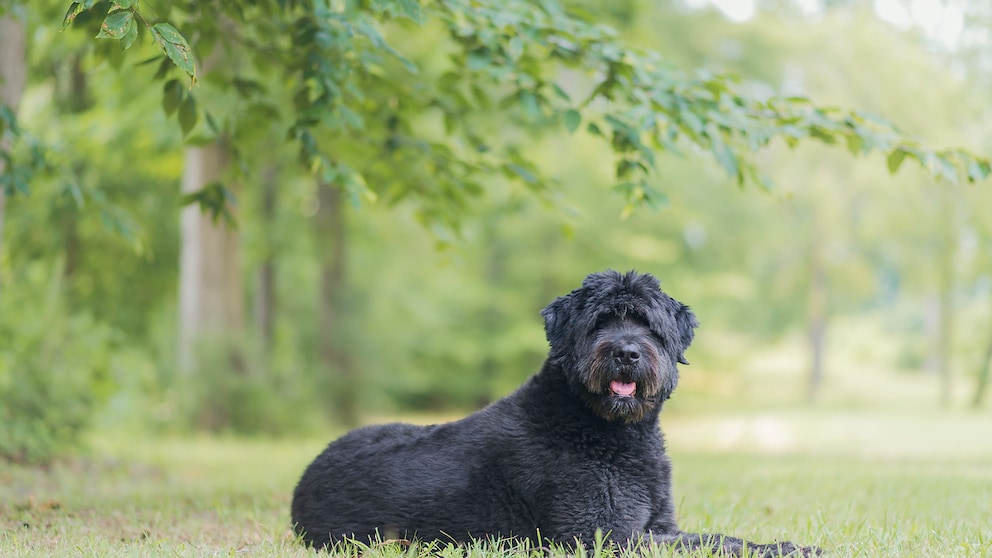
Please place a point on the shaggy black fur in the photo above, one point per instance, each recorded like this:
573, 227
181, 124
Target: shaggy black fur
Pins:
576, 449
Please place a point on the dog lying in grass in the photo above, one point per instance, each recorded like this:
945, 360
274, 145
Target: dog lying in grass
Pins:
575, 450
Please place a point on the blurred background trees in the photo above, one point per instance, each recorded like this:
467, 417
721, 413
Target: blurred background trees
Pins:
401, 267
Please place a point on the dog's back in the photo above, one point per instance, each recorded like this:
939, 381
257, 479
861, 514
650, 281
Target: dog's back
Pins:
400, 481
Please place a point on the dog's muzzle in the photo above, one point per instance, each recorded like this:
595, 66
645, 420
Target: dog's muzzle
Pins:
623, 377
626, 357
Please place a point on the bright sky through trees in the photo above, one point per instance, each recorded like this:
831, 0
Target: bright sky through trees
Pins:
941, 21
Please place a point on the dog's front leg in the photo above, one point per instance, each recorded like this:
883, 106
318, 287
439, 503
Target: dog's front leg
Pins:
723, 545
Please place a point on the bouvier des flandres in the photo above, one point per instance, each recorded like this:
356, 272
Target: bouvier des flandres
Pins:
576, 449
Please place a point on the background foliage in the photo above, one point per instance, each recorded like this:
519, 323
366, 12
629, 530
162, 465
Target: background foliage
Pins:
411, 183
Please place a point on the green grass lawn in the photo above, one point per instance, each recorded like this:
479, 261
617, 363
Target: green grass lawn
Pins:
223, 497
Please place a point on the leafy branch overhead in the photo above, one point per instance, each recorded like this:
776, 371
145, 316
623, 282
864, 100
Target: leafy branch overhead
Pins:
649, 105
121, 23
356, 99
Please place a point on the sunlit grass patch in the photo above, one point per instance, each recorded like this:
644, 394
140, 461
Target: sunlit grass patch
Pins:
227, 497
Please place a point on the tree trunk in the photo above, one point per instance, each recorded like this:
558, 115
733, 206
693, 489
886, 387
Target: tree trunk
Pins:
931, 331
13, 75
492, 317
816, 317
983, 376
334, 360
265, 294
945, 298
210, 287
944, 338
73, 88
984, 371
211, 292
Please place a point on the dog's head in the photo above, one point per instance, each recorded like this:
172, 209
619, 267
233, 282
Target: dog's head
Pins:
618, 338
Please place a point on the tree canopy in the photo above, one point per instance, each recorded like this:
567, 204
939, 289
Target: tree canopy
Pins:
337, 78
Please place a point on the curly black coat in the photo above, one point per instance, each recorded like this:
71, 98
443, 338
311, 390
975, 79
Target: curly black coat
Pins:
574, 450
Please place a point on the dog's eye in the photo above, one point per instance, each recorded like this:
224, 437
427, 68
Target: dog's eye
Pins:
604, 320
643, 320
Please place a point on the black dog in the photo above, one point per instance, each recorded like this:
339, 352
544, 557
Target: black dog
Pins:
576, 449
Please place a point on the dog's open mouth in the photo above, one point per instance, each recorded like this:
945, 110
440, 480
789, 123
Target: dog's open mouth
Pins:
623, 389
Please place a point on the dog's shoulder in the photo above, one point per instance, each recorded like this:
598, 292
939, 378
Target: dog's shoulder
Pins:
376, 433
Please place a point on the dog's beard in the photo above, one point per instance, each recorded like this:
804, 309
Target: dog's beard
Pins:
622, 392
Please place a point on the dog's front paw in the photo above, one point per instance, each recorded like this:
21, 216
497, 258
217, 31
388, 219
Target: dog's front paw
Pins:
782, 549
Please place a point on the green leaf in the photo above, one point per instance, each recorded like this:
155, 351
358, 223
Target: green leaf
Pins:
163, 68
515, 48
822, 134
763, 181
654, 198
855, 144
72, 189
116, 25
8, 117
172, 96
187, 114
949, 170
411, 9
21, 185
572, 120
212, 124
215, 200
478, 59
560, 92
523, 173
351, 119
725, 156
978, 170
247, 88
481, 95
626, 167
125, 3
175, 47
528, 104
129, 36
406, 8
199, 137
690, 120
895, 159
74, 10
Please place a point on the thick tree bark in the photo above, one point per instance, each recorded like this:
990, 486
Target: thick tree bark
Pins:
13, 75
334, 358
211, 301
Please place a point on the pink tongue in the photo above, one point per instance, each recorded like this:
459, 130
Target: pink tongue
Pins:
621, 388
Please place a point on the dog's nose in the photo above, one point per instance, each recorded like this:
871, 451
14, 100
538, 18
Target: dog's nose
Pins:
627, 354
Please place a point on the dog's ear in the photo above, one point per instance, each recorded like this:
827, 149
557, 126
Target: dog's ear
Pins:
555, 317
673, 322
685, 323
